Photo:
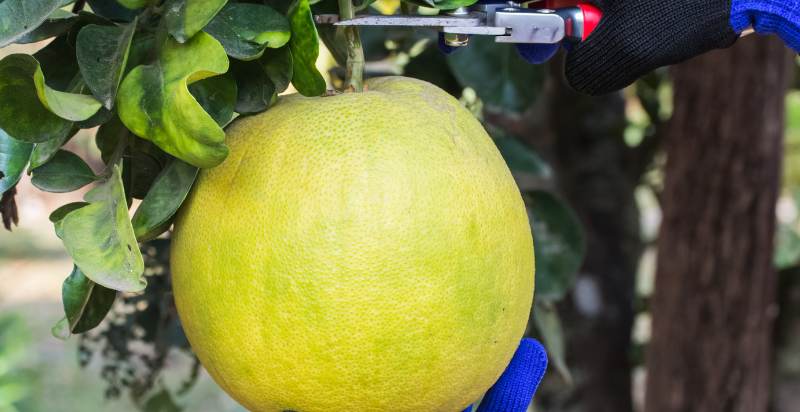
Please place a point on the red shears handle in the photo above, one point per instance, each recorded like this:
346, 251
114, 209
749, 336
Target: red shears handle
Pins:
591, 14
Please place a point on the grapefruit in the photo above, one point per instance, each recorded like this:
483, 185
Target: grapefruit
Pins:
358, 252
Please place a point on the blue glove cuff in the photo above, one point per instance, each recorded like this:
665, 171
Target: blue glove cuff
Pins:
781, 17
515, 388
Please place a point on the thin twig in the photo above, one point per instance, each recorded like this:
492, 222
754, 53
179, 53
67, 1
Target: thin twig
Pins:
354, 70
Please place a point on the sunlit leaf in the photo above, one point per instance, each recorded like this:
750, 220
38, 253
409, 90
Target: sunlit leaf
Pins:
163, 200
246, 30
185, 18
304, 45
154, 101
56, 24
14, 155
558, 243
498, 74
65, 172
102, 52
100, 238
85, 303
18, 17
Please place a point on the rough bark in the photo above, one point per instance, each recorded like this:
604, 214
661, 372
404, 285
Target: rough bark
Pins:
715, 296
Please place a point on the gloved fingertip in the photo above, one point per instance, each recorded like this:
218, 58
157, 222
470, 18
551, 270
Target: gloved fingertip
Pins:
515, 388
537, 53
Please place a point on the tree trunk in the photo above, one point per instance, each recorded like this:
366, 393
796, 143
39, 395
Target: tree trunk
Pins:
715, 296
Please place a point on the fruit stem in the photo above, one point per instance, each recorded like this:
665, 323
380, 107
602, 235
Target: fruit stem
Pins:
354, 70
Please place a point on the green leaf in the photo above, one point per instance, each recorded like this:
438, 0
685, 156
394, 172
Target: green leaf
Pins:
559, 244
134, 4
163, 200
154, 101
185, 18
65, 172
548, 323
112, 10
522, 159
18, 17
246, 30
217, 95
14, 156
100, 238
85, 303
43, 152
56, 24
278, 65
26, 119
497, 73
102, 53
64, 210
304, 45
254, 91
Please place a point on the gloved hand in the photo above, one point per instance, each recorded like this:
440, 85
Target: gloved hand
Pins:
514, 389
636, 36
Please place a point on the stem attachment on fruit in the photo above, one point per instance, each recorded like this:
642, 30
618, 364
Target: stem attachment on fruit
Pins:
354, 70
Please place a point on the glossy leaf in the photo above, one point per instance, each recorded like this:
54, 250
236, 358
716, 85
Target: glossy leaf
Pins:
65, 172
154, 101
143, 161
217, 95
163, 200
62, 211
43, 152
548, 323
559, 244
185, 18
14, 155
102, 53
18, 17
100, 238
304, 45
246, 29
85, 302
497, 73
56, 24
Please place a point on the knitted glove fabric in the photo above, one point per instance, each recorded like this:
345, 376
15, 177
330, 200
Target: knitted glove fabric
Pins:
637, 36
781, 17
514, 389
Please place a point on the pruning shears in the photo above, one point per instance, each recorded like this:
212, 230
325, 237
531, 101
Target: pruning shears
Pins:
530, 22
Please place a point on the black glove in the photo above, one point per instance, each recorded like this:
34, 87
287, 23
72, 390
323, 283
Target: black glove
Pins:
636, 36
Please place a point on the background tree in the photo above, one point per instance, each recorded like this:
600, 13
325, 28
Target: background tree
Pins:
715, 298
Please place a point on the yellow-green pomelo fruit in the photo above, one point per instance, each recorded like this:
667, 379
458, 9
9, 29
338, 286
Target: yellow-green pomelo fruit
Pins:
359, 252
